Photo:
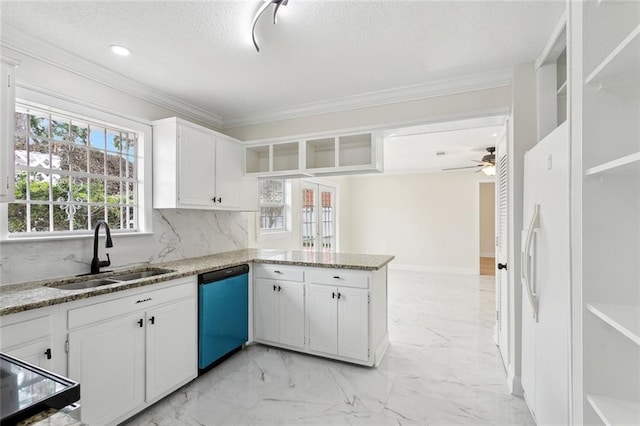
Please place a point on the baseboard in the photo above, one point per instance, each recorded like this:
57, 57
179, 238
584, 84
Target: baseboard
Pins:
514, 384
433, 269
488, 254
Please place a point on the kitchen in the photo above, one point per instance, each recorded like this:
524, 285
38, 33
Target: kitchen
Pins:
49, 74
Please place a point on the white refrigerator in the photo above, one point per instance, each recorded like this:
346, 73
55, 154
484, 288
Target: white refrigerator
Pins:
545, 278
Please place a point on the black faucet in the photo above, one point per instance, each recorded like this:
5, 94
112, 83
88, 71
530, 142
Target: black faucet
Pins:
96, 263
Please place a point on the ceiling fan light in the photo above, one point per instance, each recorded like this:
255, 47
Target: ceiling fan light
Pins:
489, 170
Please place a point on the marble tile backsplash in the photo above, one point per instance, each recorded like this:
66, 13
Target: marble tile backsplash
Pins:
177, 234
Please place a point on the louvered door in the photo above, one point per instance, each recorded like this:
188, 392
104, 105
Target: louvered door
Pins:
502, 276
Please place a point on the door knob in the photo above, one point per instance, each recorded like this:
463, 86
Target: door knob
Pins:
502, 266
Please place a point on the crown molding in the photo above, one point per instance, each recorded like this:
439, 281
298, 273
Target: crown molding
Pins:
23, 44
15, 43
500, 78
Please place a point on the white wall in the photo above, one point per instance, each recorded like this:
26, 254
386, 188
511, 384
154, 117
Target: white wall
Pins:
428, 220
487, 219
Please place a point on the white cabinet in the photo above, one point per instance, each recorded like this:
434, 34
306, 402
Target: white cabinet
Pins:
316, 155
605, 117
335, 313
279, 314
131, 351
28, 336
108, 360
7, 130
339, 321
198, 168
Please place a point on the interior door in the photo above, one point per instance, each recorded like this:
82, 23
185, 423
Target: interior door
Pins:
318, 217
502, 276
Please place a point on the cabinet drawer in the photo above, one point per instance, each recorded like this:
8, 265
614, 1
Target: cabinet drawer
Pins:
25, 331
277, 272
339, 277
124, 305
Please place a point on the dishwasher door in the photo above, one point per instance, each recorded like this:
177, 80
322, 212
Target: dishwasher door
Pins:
223, 313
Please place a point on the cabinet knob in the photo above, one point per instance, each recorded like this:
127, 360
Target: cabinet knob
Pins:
277, 272
337, 277
274, 287
502, 266
152, 320
217, 200
48, 353
140, 322
333, 295
339, 295
279, 288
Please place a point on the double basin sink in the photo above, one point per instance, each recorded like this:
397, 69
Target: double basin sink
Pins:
113, 279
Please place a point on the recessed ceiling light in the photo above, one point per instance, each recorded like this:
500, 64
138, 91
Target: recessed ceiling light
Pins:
120, 50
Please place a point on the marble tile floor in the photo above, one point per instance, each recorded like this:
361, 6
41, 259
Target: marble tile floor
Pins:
442, 368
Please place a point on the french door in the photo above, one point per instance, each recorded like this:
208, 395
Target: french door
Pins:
318, 217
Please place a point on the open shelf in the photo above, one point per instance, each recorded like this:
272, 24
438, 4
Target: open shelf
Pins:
285, 156
628, 165
354, 150
618, 72
613, 411
623, 318
257, 159
321, 153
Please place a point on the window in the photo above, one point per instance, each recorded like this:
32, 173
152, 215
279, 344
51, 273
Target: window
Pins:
72, 172
273, 205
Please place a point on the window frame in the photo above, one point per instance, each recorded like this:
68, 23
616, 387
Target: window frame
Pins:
58, 105
277, 234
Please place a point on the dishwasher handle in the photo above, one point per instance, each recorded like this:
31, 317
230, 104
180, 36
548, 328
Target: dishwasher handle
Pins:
221, 274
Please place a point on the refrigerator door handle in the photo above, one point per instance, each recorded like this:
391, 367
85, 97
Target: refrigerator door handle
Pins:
528, 258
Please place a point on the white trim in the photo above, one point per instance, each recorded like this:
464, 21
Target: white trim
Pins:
552, 49
500, 78
25, 44
17, 43
514, 383
433, 269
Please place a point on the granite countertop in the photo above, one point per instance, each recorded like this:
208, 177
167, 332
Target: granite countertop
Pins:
32, 295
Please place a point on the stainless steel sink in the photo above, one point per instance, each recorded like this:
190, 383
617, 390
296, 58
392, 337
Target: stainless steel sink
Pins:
113, 279
86, 284
129, 276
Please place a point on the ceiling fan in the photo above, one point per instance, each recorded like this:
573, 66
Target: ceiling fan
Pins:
487, 163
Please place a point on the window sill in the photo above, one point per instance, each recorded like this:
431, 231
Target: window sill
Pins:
274, 235
52, 238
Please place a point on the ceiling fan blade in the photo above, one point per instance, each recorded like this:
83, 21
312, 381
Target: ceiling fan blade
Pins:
460, 168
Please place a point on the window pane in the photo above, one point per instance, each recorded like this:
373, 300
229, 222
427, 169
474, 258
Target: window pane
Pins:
38, 152
20, 189
96, 190
97, 137
59, 129
80, 219
38, 186
113, 164
97, 213
17, 217
114, 215
39, 125
21, 120
80, 133
113, 192
113, 140
60, 155
39, 217
79, 158
96, 162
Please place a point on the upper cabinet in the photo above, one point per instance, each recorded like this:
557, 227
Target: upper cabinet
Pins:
316, 156
7, 130
198, 168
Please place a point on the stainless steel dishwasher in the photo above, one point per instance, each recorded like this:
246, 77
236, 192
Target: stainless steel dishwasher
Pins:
223, 314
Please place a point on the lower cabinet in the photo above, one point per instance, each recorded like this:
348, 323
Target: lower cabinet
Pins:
339, 321
279, 312
126, 362
28, 336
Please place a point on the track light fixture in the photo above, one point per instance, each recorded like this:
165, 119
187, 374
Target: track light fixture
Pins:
259, 13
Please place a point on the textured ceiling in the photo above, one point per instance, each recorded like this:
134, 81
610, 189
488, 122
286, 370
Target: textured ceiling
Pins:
201, 51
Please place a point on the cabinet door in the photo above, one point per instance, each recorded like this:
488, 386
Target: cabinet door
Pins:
266, 310
171, 346
108, 360
353, 323
196, 167
229, 174
7, 130
322, 317
36, 353
291, 314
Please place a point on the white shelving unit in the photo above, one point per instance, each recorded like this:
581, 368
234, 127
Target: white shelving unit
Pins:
605, 98
315, 155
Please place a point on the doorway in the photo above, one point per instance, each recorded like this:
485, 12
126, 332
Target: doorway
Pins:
487, 240
318, 217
